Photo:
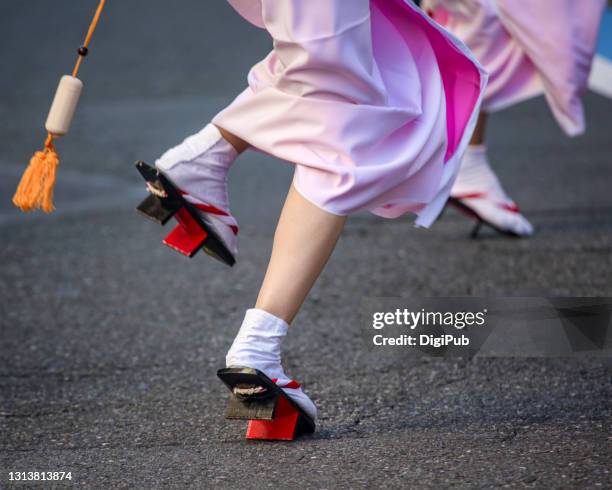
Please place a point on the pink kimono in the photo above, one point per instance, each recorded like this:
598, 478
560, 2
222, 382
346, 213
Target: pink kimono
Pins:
529, 47
372, 100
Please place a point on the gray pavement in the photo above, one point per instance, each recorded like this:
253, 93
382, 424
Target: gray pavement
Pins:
110, 341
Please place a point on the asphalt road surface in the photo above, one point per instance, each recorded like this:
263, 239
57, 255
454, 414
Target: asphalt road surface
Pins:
110, 342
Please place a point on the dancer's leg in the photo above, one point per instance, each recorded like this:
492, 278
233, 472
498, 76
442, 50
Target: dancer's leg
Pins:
478, 188
478, 136
304, 240
238, 144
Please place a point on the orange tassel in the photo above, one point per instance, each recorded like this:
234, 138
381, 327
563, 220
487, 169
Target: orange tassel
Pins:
35, 191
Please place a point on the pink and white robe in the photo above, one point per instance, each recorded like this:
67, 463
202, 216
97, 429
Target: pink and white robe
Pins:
372, 100
529, 48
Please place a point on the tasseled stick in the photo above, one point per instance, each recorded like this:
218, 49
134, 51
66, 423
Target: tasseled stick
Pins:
35, 191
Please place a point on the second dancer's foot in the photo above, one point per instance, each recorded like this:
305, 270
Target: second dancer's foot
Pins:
199, 168
478, 191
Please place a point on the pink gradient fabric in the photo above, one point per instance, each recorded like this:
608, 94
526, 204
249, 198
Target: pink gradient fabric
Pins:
372, 100
529, 48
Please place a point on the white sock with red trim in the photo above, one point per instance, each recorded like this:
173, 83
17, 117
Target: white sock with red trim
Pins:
478, 188
258, 345
199, 167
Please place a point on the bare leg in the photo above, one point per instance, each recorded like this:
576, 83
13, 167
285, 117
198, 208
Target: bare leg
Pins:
478, 137
238, 144
304, 240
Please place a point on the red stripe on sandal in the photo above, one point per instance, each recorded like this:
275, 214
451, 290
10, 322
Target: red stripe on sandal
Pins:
511, 207
294, 385
472, 195
207, 208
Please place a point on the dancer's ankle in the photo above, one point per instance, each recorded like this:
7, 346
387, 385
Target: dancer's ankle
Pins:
258, 342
